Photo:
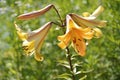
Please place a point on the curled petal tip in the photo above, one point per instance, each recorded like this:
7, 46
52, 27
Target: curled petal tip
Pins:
98, 32
38, 57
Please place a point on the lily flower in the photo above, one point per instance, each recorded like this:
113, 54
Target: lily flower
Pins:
32, 41
88, 20
76, 35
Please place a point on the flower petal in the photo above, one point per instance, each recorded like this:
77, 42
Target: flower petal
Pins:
38, 57
79, 45
84, 22
40, 33
65, 39
98, 32
22, 35
29, 47
97, 12
88, 33
86, 14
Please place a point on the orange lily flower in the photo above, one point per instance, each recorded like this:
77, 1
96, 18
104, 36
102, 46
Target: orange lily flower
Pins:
88, 20
32, 41
75, 34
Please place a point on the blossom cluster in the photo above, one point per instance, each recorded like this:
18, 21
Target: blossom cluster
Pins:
79, 29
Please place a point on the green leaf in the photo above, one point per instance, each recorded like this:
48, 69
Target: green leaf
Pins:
87, 71
65, 76
64, 63
83, 78
79, 72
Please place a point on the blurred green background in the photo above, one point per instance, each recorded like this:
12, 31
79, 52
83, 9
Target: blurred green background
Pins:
103, 54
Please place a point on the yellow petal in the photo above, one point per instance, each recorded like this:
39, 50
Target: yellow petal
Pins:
38, 57
70, 23
98, 32
97, 12
65, 39
35, 14
86, 14
22, 35
62, 45
88, 33
29, 47
61, 38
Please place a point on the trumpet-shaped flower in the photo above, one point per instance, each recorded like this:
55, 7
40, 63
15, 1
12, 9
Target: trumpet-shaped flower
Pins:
75, 34
88, 20
32, 41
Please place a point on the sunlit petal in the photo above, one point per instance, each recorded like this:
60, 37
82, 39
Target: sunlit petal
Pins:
97, 12
28, 47
86, 14
98, 32
65, 39
22, 35
38, 56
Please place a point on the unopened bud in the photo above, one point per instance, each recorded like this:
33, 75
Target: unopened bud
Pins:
35, 14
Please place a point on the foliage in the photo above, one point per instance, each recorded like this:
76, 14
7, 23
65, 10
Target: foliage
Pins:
102, 61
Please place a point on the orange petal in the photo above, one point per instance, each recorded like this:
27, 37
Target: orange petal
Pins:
62, 45
80, 46
61, 38
65, 39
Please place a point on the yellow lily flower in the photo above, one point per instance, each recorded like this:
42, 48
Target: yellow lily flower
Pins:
75, 34
88, 20
32, 41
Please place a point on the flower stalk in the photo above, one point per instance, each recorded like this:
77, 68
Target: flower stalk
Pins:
70, 62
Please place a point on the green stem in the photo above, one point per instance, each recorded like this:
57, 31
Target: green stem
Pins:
62, 23
70, 63
68, 52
